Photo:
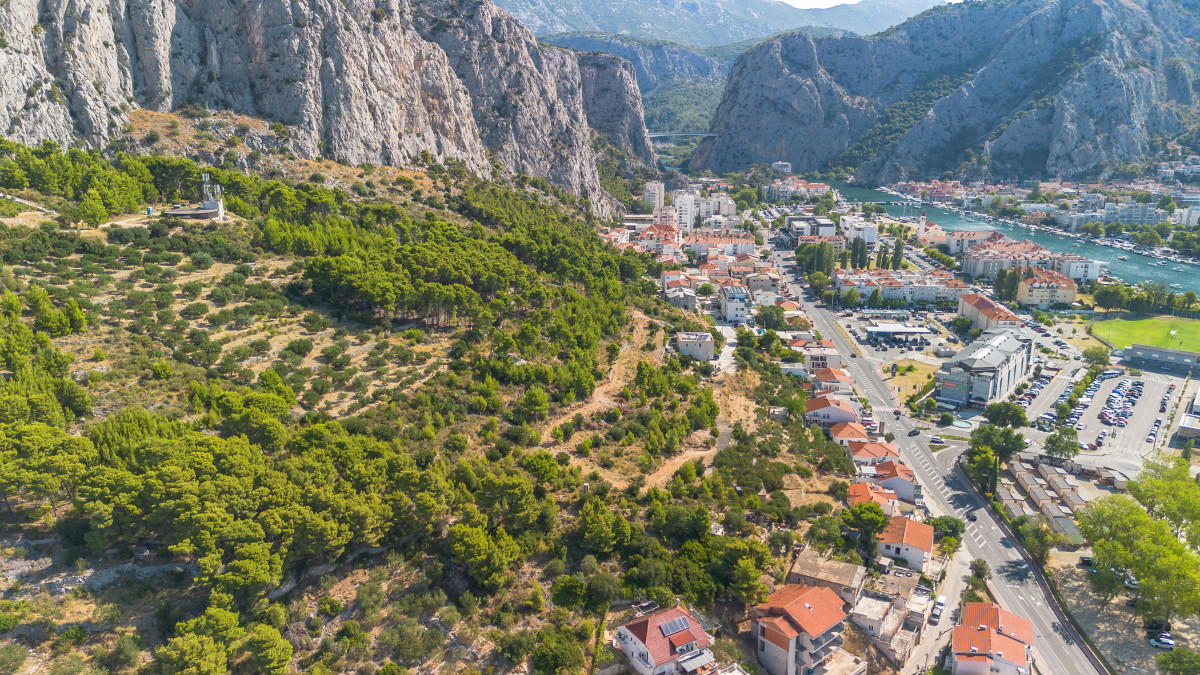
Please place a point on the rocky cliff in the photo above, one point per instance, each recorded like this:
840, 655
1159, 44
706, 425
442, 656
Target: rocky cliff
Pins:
1019, 87
357, 80
653, 61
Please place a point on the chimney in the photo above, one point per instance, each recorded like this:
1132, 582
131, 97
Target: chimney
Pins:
974, 648
807, 606
982, 627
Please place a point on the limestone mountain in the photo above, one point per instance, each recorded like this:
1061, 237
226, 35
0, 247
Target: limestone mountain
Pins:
706, 22
1005, 88
358, 80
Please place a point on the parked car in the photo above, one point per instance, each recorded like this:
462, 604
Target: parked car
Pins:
1160, 643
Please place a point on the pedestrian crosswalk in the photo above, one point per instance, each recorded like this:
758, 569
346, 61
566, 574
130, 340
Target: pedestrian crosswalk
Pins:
885, 410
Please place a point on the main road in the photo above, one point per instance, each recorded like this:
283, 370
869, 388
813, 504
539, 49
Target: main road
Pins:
1014, 583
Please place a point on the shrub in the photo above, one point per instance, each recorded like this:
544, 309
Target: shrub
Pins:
329, 606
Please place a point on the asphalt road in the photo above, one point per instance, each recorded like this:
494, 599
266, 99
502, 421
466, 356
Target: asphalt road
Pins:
945, 494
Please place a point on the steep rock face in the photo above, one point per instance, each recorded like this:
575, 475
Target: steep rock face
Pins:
607, 78
354, 79
653, 61
1015, 88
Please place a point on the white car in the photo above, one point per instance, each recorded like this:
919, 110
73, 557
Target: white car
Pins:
1163, 643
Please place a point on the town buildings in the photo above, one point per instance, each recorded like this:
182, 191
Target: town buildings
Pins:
664, 642
991, 641
987, 370
800, 629
725, 242
1045, 288
986, 313
784, 189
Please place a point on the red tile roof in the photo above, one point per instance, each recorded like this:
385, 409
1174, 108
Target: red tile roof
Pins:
869, 492
798, 609
832, 375
871, 449
901, 530
822, 402
661, 647
988, 307
888, 470
848, 430
975, 614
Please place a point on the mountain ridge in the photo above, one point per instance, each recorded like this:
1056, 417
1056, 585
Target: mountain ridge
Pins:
353, 80
1069, 87
709, 23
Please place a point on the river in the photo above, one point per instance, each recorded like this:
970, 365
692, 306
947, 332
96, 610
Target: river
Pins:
1137, 268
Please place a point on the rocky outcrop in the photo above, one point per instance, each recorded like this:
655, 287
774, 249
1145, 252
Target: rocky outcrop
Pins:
606, 78
1067, 87
357, 80
653, 61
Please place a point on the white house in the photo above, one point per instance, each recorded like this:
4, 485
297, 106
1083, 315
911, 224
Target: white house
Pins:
800, 629
735, 303
664, 642
907, 540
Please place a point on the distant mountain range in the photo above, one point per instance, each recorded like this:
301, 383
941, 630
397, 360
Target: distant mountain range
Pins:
1001, 88
706, 22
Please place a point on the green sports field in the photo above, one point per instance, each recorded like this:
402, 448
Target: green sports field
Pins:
1153, 331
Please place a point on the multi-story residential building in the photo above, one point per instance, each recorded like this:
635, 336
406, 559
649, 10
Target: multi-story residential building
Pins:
764, 281
987, 370
845, 579
828, 410
735, 302
699, 346
726, 242
983, 261
665, 215
685, 210
908, 540
658, 237
833, 379
991, 641
911, 286
986, 313
960, 242
837, 241
783, 190
664, 642
781, 166
857, 227
799, 630
1045, 288
653, 193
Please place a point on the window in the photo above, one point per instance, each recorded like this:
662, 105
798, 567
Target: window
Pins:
762, 646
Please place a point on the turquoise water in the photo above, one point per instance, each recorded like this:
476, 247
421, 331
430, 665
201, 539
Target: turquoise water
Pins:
1137, 268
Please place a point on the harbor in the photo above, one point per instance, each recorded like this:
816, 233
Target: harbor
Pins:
1123, 263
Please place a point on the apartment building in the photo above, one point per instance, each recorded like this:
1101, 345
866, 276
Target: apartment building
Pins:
735, 302
987, 370
1045, 289
984, 260
911, 285
726, 242
986, 313
800, 629
857, 227
653, 193
960, 242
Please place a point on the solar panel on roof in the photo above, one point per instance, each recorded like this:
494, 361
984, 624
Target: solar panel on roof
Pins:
673, 626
